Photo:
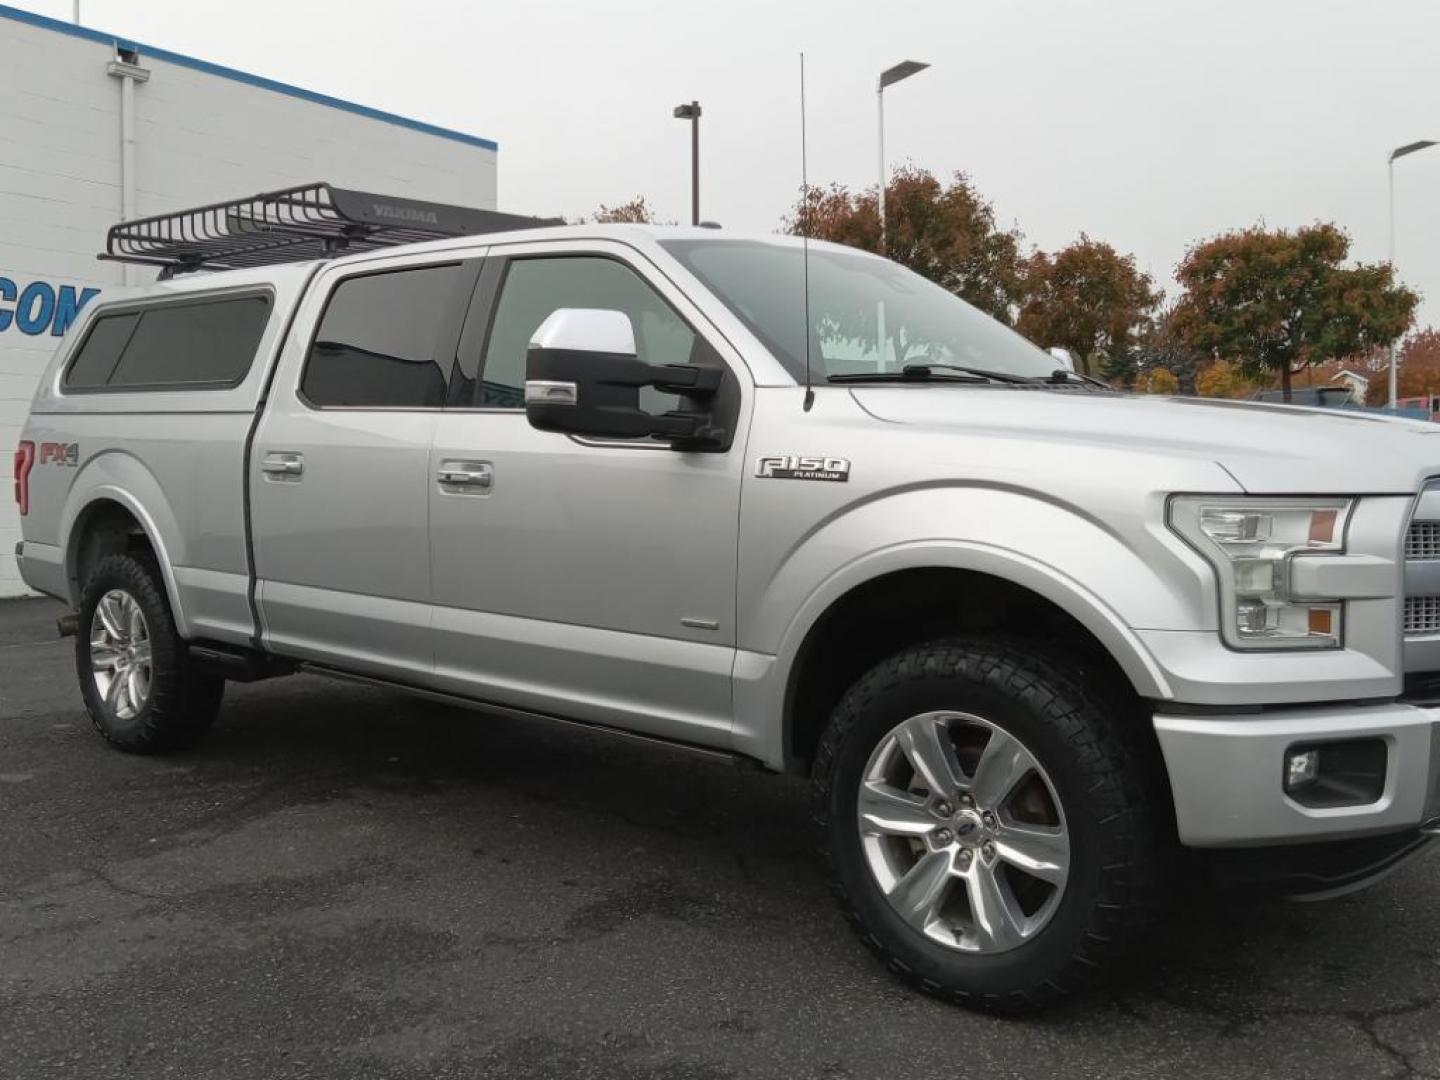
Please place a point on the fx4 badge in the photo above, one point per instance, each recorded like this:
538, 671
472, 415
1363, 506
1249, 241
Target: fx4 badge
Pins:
59, 453
790, 467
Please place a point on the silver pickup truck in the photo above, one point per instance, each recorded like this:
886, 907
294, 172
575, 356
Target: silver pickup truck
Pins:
1042, 647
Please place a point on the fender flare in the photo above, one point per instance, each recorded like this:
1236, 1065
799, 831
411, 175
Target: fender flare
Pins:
1071, 596
104, 486
765, 685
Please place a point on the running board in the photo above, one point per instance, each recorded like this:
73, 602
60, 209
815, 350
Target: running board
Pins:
239, 664
513, 713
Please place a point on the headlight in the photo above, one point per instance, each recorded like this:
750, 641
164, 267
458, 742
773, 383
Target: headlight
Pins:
1251, 543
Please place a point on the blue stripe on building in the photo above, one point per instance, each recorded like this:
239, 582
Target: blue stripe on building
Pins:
61, 27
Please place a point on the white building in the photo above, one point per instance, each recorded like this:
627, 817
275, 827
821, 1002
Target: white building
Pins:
95, 128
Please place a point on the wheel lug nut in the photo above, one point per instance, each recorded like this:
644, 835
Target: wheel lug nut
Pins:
988, 850
944, 809
989, 819
965, 859
943, 836
967, 801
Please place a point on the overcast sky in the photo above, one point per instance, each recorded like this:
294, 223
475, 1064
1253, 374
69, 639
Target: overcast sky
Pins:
1146, 123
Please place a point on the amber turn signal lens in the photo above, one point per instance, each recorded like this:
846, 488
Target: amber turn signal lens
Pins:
1321, 621
1322, 528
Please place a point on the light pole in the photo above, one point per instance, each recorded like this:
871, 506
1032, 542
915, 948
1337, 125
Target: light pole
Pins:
1399, 152
889, 77
691, 112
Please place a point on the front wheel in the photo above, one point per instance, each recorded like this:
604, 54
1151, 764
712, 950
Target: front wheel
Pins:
987, 823
141, 690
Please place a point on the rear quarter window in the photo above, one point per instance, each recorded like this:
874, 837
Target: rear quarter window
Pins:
177, 345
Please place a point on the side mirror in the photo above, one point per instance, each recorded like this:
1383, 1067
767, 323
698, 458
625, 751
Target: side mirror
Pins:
582, 377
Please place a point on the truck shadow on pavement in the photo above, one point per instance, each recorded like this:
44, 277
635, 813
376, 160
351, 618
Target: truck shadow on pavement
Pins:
747, 836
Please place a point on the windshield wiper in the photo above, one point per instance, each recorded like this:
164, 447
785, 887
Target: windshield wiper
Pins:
932, 373
1065, 377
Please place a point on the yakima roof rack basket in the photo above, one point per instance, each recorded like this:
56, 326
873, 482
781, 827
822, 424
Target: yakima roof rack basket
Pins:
314, 221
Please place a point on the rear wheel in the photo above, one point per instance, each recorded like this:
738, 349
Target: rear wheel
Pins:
141, 690
987, 824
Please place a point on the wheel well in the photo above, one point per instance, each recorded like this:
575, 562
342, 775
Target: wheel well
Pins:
890, 613
103, 528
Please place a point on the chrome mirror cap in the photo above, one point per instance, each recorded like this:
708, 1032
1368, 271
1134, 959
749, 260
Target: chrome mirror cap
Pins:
586, 330
551, 392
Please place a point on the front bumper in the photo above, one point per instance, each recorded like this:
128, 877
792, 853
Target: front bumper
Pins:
1227, 772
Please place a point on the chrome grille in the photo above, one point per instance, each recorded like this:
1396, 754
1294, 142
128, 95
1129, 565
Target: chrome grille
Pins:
1423, 540
1422, 614
1420, 620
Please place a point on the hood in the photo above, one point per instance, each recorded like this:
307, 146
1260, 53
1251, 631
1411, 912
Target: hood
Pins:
1268, 449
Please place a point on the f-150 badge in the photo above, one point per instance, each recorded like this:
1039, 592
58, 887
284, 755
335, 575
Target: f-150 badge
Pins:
791, 467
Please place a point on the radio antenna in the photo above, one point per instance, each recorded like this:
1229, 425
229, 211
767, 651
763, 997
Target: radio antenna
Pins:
805, 235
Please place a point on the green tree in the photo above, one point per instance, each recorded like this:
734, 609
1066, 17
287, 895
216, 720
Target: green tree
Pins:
1279, 301
1091, 300
1159, 346
944, 232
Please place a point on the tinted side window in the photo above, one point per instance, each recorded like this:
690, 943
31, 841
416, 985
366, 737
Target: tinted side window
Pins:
377, 340
536, 287
209, 343
193, 343
100, 351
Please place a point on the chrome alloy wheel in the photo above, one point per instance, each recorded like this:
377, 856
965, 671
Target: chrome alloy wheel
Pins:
120, 655
963, 832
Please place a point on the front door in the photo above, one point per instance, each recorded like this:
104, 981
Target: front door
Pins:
581, 577
339, 472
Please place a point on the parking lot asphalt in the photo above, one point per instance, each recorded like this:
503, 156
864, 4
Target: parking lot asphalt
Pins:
346, 882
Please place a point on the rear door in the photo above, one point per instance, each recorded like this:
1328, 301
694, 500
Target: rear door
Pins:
584, 577
339, 471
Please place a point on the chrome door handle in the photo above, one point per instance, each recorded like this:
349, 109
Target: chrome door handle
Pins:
282, 465
475, 474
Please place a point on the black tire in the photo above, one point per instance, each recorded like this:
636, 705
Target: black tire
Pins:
1100, 773
182, 702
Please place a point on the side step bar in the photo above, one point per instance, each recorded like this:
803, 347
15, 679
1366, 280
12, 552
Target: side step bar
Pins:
233, 662
247, 665
524, 714
240, 665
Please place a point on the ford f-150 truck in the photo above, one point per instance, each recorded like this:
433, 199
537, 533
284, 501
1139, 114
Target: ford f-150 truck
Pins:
1040, 645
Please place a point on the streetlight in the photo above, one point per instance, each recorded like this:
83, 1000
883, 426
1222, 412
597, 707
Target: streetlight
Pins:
1399, 152
889, 77
691, 112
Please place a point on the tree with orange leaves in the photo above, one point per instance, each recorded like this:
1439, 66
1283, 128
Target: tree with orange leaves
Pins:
1417, 369
634, 212
944, 232
1277, 302
1089, 299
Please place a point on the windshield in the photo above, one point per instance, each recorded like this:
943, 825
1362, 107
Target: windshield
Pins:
867, 315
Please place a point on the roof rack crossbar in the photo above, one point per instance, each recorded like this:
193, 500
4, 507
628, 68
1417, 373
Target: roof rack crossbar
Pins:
299, 224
